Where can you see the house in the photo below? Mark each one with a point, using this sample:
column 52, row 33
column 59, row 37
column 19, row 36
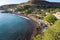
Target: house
column 11, row 10
column 57, row 15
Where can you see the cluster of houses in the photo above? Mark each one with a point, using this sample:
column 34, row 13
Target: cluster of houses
column 41, row 22
column 57, row 14
column 14, row 11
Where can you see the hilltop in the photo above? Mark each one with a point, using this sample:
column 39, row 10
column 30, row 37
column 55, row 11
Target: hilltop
column 45, row 3
column 41, row 3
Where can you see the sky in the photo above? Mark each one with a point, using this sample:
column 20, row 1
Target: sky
column 4, row 2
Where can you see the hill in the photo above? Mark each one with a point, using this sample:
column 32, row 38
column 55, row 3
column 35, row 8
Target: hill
column 46, row 3
column 41, row 3
column 8, row 6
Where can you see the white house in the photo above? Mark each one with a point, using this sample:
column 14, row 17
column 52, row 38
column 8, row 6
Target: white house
column 57, row 15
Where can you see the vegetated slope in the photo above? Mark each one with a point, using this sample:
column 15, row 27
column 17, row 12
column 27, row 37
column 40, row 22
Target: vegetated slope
column 41, row 3
column 8, row 6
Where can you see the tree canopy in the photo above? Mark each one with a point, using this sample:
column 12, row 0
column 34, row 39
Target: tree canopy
column 50, row 18
column 37, row 37
column 27, row 11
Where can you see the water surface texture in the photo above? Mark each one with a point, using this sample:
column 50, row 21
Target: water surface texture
column 14, row 27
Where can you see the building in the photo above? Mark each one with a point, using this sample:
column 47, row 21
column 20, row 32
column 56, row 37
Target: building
column 11, row 10
column 57, row 15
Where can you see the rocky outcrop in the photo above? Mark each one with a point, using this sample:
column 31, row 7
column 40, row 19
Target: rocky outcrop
column 43, row 2
column 35, row 1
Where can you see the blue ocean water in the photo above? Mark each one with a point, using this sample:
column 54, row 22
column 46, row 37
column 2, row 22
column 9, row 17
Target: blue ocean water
column 13, row 26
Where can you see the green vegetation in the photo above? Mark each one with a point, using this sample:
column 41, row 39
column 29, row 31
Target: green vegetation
column 22, row 8
column 19, row 8
column 26, row 7
column 38, row 37
column 50, row 18
column 53, row 33
column 27, row 11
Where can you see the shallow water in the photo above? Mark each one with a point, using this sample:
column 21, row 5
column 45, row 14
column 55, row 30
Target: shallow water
column 2, row 11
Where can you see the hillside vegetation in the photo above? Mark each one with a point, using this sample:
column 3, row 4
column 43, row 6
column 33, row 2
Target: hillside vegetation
column 45, row 11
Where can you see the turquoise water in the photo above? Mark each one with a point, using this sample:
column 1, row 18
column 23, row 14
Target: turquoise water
column 13, row 27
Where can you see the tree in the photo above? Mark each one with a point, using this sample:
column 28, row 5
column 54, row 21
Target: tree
column 27, row 11
column 27, row 7
column 19, row 8
column 37, row 37
column 50, row 18
column 53, row 33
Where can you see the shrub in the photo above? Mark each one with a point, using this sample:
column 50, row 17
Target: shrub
column 27, row 11
column 53, row 33
column 50, row 18
column 38, row 37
